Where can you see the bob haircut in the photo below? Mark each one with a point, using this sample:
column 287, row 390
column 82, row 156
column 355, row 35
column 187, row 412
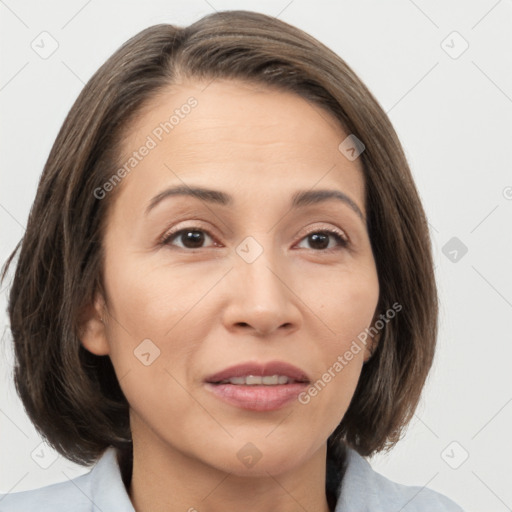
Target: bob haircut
column 71, row 395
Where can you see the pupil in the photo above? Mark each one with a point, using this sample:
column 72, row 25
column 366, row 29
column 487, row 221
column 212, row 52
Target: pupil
column 319, row 240
column 193, row 239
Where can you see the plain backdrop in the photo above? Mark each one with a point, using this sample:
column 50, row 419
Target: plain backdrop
column 442, row 71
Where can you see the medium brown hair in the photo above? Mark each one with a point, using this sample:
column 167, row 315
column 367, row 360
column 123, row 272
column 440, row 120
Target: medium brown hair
column 71, row 395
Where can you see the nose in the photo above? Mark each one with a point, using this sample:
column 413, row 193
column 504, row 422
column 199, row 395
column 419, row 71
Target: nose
column 261, row 299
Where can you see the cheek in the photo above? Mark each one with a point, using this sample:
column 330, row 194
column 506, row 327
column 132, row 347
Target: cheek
column 146, row 336
column 346, row 304
column 157, row 325
column 151, row 300
column 346, row 307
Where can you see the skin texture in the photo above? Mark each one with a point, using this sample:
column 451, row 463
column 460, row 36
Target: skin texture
column 207, row 308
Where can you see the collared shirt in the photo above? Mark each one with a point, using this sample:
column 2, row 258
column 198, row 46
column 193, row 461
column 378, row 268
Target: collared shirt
column 102, row 490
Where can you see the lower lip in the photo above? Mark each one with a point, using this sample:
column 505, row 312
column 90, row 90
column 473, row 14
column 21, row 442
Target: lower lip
column 257, row 398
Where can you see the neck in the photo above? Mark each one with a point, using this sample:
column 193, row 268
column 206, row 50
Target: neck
column 164, row 479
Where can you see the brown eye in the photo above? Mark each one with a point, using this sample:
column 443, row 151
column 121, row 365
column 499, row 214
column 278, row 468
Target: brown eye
column 188, row 238
column 321, row 240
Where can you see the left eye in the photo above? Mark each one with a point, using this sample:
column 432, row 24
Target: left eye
column 320, row 240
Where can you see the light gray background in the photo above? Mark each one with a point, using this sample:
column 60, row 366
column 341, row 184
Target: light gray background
column 454, row 118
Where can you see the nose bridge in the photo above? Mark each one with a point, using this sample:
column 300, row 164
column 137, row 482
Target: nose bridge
column 260, row 298
column 261, row 278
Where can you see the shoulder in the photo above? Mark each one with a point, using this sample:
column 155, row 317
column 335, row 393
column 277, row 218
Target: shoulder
column 55, row 497
column 363, row 489
column 97, row 490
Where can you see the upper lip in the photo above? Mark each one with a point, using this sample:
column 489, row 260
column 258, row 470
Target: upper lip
column 260, row 369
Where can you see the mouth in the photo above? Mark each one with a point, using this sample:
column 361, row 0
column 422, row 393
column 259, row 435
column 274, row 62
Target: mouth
column 258, row 387
column 257, row 380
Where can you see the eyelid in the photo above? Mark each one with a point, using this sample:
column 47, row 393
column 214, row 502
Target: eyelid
column 326, row 228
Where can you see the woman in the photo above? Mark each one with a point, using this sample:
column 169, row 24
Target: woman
column 225, row 292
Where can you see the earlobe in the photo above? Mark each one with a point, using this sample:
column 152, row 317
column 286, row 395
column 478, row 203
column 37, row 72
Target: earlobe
column 371, row 347
column 92, row 330
column 373, row 343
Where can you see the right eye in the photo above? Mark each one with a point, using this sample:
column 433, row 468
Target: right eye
column 190, row 238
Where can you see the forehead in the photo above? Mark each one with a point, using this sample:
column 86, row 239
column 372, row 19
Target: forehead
column 237, row 135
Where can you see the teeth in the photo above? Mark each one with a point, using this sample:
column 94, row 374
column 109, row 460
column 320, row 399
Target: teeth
column 237, row 380
column 256, row 380
column 253, row 380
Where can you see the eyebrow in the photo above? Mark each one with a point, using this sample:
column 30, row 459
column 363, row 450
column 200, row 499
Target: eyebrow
column 299, row 199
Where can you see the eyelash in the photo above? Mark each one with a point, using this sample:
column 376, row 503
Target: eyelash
column 167, row 238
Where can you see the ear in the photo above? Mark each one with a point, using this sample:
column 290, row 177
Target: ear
column 92, row 329
column 374, row 339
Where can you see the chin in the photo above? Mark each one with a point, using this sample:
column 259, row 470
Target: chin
column 261, row 458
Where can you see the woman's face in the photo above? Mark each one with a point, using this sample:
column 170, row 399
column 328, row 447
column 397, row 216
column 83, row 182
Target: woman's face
column 260, row 276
